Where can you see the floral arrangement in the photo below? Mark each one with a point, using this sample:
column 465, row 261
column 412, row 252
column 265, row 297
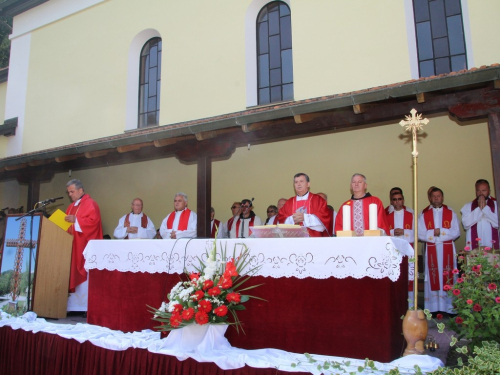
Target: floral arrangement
column 476, row 295
column 211, row 295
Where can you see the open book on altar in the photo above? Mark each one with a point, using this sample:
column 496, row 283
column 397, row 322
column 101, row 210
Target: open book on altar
column 279, row 231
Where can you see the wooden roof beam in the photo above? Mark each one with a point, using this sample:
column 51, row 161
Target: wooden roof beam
column 96, row 154
column 358, row 108
column 496, row 84
column 247, row 128
column 15, row 167
column 201, row 136
column 62, row 159
column 170, row 141
column 128, row 148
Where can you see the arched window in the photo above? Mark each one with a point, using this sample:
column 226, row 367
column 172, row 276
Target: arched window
column 440, row 36
column 274, row 53
column 149, row 83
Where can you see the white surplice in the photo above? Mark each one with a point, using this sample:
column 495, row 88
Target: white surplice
column 135, row 221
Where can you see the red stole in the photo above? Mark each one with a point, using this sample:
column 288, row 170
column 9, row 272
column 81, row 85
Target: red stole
column 432, row 261
column 238, row 226
column 183, row 220
column 407, row 224
column 144, row 222
column 230, row 224
column 215, row 227
column 473, row 229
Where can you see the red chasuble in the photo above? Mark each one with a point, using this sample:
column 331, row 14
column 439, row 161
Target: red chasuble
column 215, row 227
column 144, row 222
column 448, row 257
column 367, row 200
column 315, row 205
column 183, row 220
column 89, row 218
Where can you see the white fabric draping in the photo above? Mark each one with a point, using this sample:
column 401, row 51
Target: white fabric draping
column 226, row 358
column 319, row 258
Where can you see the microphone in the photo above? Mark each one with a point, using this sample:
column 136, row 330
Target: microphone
column 50, row 200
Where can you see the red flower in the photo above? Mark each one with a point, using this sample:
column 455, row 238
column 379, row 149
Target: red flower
column 178, row 308
column 470, row 302
column 214, row 291
column 233, row 297
column 455, row 271
column 487, row 248
column 477, row 307
column 194, row 276
column 207, row 284
column 221, row 310
column 492, row 286
column 459, row 320
column 497, row 300
column 198, row 295
column 188, row 314
column 439, row 316
column 230, row 269
column 446, row 287
column 456, row 292
column 461, row 257
column 460, row 280
column 496, row 266
column 476, row 268
column 445, row 273
column 467, row 248
column 175, row 320
column 204, row 305
column 225, row 282
column 201, row 317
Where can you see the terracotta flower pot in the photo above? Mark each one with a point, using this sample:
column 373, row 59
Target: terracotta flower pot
column 415, row 332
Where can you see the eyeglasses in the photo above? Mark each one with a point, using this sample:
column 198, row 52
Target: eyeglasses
column 245, row 205
column 397, row 199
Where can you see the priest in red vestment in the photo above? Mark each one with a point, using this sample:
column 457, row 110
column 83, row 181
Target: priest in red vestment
column 306, row 209
column 182, row 222
column 360, row 203
column 85, row 216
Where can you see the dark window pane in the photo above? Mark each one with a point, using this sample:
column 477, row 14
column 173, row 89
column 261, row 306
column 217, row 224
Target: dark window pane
column 158, row 85
column 456, row 35
column 263, row 71
column 276, row 94
column 262, row 15
column 264, row 96
column 286, row 33
column 152, row 102
column 427, row 68
column 458, row 63
column 424, row 41
column 287, row 66
column 152, row 80
column 142, row 120
column 421, row 9
column 438, row 19
column 288, row 92
column 443, row 65
column 142, row 74
column 141, row 102
column 145, row 98
column 284, row 10
column 262, row 39
column 274, row 23
column 274, row 52
column 145, row 50
column 275, row 77
column 153, row 53
column 152, row 118
column 441, row 47
column 452, row 7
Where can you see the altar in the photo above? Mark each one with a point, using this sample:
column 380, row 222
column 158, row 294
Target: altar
column 332, row 296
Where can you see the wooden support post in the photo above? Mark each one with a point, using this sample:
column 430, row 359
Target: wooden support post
column 494, row 130
column 33, row 193
column 204, row 195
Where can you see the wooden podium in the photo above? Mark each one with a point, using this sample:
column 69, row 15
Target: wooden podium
column 50, row 297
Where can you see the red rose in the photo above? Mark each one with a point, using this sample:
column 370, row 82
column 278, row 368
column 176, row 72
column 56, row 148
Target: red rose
column 207, row 284
column 204, row 305
column 456, row 292
column 233, row 297
column 175, row 320
column 178, row 308
column 201, row 317
column 188, row 314
column 477, row 307
column 214, row 291
column 459, row 320
column 492, row 286
column 198, row 295
column 194, row 276
column 221, row 310
column 230, row 269
column 439, row 316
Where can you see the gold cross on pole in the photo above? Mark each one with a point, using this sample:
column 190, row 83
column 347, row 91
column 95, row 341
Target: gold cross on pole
column 414, row 123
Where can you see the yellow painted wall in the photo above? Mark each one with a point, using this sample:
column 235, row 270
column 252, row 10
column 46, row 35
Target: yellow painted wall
column 484, row 26
column 3, row 140
column 452, row 157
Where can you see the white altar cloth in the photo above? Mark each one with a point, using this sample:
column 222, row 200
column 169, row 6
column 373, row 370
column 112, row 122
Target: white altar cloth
column 319, row 258
column 227, row 358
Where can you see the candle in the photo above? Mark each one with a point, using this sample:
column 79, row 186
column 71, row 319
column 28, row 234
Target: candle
column 373, row 216
column 346, row 217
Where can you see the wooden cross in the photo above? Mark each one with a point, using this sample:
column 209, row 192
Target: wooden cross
column 414, row 123
column 20, row 244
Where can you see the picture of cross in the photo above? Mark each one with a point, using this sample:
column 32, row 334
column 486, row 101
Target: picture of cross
column 20, row 244
column 414, row 123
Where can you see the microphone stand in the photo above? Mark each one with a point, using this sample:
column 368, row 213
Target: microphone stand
column 31, row 214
